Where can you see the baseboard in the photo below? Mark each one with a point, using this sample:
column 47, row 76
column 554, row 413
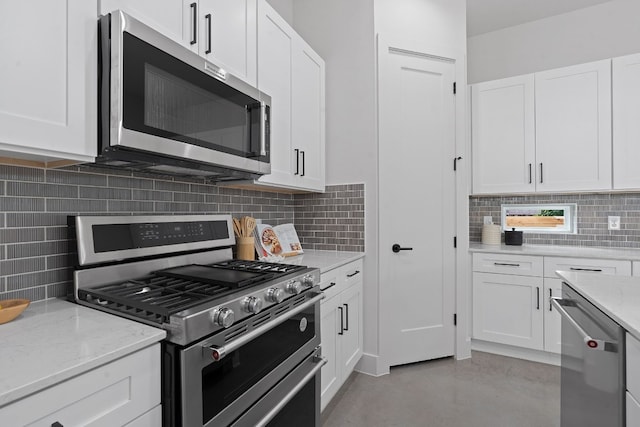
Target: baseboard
column 517, row 352
column 369, row 364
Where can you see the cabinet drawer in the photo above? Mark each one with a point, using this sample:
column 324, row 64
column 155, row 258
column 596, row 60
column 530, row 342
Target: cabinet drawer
column 521, row 265
column 111, row 395
column 633, row 366
column 329, row 284
column 604, row 266
column 352, row 273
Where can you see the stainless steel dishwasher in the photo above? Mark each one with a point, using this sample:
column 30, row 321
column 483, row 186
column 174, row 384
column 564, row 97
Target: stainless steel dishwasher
column 593, row 366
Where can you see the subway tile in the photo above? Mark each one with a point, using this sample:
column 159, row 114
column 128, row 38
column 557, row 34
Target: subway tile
column 32, row 294
column 57, row 233
column 66, row 177
column 20, row 235
column 204, row 189
column 20, row 204
column 171, row 207
column 30, row 189
column 158, row 196
column 59, row 290
column 188, row 197
column 36, row 219
column 31, row 280
column 18, row 266
column 171, row 186
column 36, row 249
column 18, row 173
column 126, row 182
column 76, row 205
column 105, row 193
column 129, row 206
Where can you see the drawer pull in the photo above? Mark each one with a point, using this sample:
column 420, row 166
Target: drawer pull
column 506, row 264
column 595, row 270
column 354, row 273
column 331, row 285
column 537, row 297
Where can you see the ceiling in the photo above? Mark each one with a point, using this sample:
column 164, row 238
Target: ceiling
column 484, row 16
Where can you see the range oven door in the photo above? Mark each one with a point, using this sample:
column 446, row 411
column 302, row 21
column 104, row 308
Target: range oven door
column 272, row 351
column 159, row 97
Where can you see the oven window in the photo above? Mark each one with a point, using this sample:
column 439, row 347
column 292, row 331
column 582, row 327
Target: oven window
column 301, row 410
column 224, row 381
column 166, row 97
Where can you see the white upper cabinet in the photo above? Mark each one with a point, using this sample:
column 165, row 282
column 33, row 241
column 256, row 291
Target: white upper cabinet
column 308, row 117
column 293, row 75
column 48, row 80
column 503, row 132
column 222, row 31
column 626, row 122
column 573, row 127
column 549, row 131
column 227, row 36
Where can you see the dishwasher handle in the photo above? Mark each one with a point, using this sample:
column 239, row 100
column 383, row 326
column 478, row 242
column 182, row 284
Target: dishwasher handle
column 591, row 343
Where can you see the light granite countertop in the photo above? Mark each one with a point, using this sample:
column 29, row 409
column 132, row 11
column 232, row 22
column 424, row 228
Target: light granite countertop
column 324, row 260
column 54, row 340
column 617, row 296
column 564, row 251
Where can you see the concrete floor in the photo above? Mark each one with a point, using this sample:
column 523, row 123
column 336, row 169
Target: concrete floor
column 485, row 391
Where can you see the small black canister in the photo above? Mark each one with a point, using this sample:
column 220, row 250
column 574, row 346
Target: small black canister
column 513, row 237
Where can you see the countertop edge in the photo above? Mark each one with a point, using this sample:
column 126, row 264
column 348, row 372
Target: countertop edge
column 622, row 254
column 325, row 260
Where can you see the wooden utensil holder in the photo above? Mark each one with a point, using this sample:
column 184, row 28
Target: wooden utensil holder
column 245, row 248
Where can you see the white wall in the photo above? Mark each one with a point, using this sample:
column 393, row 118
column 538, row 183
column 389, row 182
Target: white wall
column 284, row 9
column 598, row 32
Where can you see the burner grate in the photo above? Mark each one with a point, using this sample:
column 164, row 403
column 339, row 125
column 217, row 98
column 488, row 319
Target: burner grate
column 154, row 298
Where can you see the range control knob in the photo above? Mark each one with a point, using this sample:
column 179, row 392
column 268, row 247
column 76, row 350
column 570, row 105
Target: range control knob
column 275, row 295
column 309, row 280
column 294, row 287
column 223, row 317
column 252, row 304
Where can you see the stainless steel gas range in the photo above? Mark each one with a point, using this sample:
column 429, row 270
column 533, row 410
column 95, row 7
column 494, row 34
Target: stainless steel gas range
column 243, row 337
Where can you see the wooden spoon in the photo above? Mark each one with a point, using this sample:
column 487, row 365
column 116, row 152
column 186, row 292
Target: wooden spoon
column 237, row 227
column 250, row 224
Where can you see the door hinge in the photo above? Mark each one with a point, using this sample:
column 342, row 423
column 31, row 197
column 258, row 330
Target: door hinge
column 455, row 319
column 455, row 241
column 454, row 88
column 455, row 163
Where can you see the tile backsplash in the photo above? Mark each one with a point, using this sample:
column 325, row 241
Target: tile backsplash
column 35, row 253
column 593, row 210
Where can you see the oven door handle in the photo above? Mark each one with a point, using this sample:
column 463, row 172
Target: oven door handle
column 591, row 343
column 219, row 352
column 320, row 362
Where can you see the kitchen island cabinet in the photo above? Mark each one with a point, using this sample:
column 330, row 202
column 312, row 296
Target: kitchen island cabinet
column 62, row 362
column 48, row 107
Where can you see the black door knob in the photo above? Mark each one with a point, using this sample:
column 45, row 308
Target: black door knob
column 397, row 248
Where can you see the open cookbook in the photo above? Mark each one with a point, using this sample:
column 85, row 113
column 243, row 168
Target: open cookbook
column 279, row 240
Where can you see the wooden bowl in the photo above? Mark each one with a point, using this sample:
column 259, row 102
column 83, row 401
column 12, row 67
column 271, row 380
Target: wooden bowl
column 11, row 308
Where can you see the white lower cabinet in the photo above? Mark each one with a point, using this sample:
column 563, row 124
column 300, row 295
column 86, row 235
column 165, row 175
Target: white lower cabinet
column 511, row 296
column 341, row 327
column 507, row 309
column 123, row 392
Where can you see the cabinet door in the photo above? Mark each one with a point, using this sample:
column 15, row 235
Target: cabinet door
column 552, row 320
column 169, row 17
column 275, row 44
column 626, row 126
column 329, row 329
column 508, row 309
column 227, row 36
column 351, row 346
column 573, row 128
column 503, row 135
column 308, row 114
column 48, row 84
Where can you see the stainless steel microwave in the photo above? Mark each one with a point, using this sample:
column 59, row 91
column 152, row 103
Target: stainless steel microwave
column 164, row 108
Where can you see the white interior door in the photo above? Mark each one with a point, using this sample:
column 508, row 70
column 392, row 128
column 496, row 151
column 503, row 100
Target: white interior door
column 417, row 204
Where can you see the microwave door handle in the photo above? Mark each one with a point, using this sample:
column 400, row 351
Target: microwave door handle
column 264, row 117
column 590, row 343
